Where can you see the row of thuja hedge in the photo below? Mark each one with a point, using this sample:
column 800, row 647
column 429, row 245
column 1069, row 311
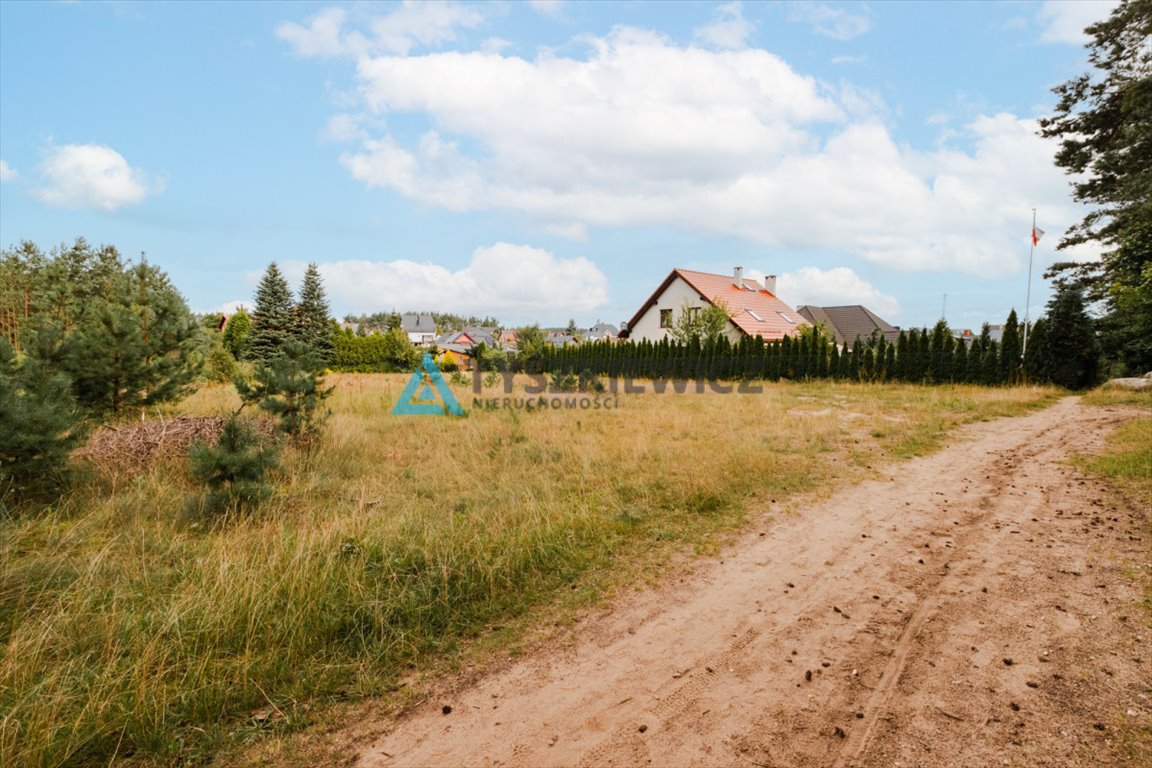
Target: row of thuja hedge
column 927, row 356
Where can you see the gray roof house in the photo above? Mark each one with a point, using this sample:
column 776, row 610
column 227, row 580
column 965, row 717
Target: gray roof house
column 602, row 331
column 421, row 329
column 848, row 322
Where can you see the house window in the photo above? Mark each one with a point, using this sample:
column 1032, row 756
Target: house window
column 694, row 313
column 786, row 317
column 665, row 318
column 755, row 316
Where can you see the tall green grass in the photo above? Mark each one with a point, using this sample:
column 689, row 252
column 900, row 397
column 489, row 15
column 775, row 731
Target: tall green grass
column 130, row 630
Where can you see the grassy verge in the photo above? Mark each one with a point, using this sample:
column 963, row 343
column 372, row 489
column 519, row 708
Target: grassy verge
column 1127, row 464
column 133, row 633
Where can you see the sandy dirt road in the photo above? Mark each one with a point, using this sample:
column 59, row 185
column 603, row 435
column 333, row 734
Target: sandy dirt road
column 975, row 609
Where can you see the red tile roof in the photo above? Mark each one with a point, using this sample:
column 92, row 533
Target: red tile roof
column 753, row 310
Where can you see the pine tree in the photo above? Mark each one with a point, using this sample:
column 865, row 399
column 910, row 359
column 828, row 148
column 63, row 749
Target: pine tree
column 235, row 336
column 272, row 319
column 313, row 325
column 291, row 387
column 132, row 347
column 235, row 469
column 40, row 424
column 1104, row 121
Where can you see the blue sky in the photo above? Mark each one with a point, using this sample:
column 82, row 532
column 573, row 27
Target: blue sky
column 540, row 161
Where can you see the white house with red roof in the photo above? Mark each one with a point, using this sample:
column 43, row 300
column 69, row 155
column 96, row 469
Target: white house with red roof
column 753, row 309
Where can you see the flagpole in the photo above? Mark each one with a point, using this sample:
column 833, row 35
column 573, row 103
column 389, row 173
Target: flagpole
column 1028, row 299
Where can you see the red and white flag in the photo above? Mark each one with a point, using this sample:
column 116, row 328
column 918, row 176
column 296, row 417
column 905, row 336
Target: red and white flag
column 1037, row 233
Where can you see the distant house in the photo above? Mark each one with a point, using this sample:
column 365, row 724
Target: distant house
column 602, row 332
column 507, row 341
column 421, row 329
column 559, row 339
column 469, row 337
column 460, row 354
column 849, row 322
column 968, row 336
column 753, row 309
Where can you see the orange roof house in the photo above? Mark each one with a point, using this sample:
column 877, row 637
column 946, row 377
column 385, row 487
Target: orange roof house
column 753, row 309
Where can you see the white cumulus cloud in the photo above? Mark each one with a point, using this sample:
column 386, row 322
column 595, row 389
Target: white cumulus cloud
column 728, row 28
column 92, row 176
column 410, row 25
column 7, row 172
column 1063, row 21
column 517, row 283
column 635, row 130
column 835, row 287
column 836, row 23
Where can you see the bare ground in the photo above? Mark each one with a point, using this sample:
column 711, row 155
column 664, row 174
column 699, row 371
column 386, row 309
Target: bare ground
column 980, row 607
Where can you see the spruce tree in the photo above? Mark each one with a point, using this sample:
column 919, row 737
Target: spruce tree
column 235, row 469
column 1071, row 354
column 291, row 387
column 272, row 318
column 313, row 324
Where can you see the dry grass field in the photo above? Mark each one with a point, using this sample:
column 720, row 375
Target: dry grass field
column 134, row 631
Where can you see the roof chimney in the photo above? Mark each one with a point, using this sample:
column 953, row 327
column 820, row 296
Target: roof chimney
column 738, row 277
column 770, row 284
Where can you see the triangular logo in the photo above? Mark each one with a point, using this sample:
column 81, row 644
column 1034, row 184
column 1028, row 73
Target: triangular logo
column 427, row 393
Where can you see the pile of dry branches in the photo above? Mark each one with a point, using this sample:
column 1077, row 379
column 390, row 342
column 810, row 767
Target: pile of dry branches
column 133, row 448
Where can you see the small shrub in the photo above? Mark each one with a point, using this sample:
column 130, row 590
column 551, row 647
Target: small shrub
column 590, row 382
column 565, row 382
column 235, row 469
column 220, row 366
column 290, row 387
